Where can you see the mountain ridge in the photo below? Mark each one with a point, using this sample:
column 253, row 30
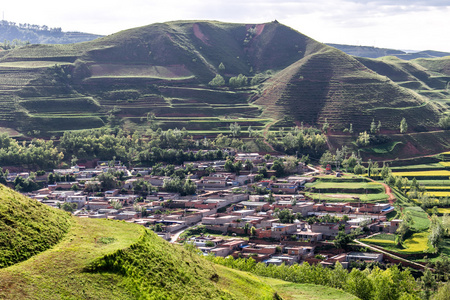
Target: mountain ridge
column 136, row 72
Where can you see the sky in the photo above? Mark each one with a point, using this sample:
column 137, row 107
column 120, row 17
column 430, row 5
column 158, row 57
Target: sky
column 397, row 24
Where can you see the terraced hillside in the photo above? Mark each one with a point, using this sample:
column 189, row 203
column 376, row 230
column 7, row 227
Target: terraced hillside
column 328, row 85
column 164, row 69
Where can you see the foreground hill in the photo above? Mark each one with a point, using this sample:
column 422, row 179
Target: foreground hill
column 105, row 259
column 27, row 227
column 165, row 69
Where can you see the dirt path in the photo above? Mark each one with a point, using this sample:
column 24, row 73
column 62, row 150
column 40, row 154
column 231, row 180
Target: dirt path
column 387, row 189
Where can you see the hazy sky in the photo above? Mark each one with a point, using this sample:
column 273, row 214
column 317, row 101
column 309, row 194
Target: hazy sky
column 398, row 24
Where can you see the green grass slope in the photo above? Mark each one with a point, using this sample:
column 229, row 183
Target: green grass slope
column 438, row 65
column 27, row 227
column 104, row 259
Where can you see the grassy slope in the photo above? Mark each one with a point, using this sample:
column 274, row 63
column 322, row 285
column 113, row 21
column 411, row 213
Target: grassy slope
column 295, row 291
column 27, row 227
column 103, row 259
column 439, row 65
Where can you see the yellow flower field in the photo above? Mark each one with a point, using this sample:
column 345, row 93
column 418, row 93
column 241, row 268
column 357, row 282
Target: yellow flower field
column 445, row 163
column 417, row 243
column 434, row 173
column 439, row 194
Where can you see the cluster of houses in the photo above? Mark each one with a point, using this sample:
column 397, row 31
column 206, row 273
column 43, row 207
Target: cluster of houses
column 224, row 206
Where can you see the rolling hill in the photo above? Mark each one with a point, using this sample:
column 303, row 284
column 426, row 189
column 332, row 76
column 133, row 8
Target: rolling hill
column 165, row 69
column 106, row 259
column 36, row 34
column 375, row 52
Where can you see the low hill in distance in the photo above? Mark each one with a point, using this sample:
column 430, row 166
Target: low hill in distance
column 375, row 52
column 105, row 259
column 36, row 34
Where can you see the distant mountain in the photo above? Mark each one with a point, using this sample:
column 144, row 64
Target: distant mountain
column 36, row 34
column 165, row 69
column 374, row 52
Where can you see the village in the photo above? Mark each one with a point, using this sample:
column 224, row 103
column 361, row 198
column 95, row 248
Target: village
column 277, row 224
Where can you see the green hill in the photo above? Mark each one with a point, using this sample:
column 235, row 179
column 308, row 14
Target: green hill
column 27, row 227
column 12, row 32
column 165, row 69
column 105, row 259
column 375, row 52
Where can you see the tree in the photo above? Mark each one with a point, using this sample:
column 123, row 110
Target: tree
column 359, row 169
column 235, row 129
column 326, row 159
column 209, row 244
column 359, row 285
column 363, row 139
column 402, row 230
column 373, row 127
column 253, row 231
column 116, row 204
column 107, row 181
column 217, row 81
column 278, row 167
column 342, row 239
column 221, row 67
column 246, row 228
column 444, row 122
column 70, row 207
column 403, row 126
column 325, row 126
column 436, row 233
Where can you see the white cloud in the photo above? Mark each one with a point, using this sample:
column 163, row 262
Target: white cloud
column 404, row 24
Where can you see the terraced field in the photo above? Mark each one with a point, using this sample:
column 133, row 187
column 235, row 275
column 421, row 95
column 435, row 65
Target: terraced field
column 348, row 189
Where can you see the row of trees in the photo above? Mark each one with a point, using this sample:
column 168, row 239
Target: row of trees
column 295, row 140
column 388, row 284
column 233, row 82
column 37, row 154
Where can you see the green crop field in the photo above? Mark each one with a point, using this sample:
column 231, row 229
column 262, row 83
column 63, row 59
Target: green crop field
column 347, row 188
column 420, row 218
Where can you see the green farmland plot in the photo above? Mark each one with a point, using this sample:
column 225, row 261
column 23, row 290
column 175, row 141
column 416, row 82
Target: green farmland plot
column 346, row 189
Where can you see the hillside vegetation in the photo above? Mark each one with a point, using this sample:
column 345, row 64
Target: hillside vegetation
column 14, row 33
column 27, row 227
column 167, row 69
column 375, row 52
column 105, row 259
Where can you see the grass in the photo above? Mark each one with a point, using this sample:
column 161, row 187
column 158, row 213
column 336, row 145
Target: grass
column 106, row 259
column 27, row 227
column 344, row 197
column 419, row 217
column 383, row 236
column 296, row 291
column 346, row 188
column 381, row 242
column 382, row 239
